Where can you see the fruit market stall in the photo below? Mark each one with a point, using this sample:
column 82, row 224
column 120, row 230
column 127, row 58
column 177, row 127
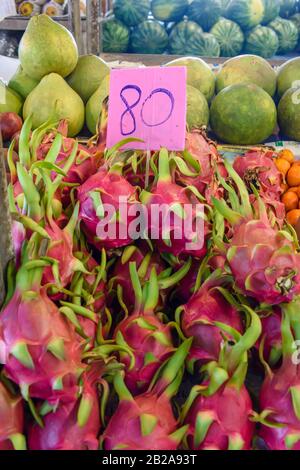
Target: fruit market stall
column 115, row 332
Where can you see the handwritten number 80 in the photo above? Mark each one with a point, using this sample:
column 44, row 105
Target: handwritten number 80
column 130, row 107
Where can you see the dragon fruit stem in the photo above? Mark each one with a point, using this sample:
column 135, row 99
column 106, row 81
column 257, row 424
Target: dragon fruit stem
column 18, row 441
column 136, row 285
column 164, row 167
column 11, row 163
column 152, row 293
column 31, row 193
column 24, row 152
column 120, row 387
column 230, row 215
column 246, row 208
column 170, row 281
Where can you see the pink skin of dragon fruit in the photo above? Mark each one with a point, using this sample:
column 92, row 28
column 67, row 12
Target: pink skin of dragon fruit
column 11, row 421
column 226, row 413
column 280, row 392
column 198, row 315
column 18, row 237
column 263, row 261
column 205, row 153
column 38, row 346
column 148, row 338
column 106, row 187
column 147, row 422
column 271, row 336
column 76, row 424
column 169, row 195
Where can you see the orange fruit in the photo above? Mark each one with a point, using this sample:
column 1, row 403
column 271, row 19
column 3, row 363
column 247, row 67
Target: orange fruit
column 287, row 155
column 293, row 175
column 293, row 216
column 290, row 200
column 283, row 166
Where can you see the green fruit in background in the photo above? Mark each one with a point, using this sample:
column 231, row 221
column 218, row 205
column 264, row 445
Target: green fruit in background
column 115, row 36
column 169, row 10
column 182, row 35
column 229, row 36
column 288, row 74
column 205, row 13
column 205, row 45
column 54, row 99
column 289, row 115
column 262, row 41
column 287, row 8
column 287, row 34
column 199, row 75
column 87, row 75
column 197, row 114
column 243, row 115
column 271, row 10
column 296, row 20
column 247, row 69
column 47, row 47
column 131, row 12
column 149, row 37
column 247, row 13
column 94, row 105
column 21, row 83
column 10, row 101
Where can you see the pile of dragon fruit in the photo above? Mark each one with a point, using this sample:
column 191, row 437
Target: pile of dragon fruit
column 117, row 343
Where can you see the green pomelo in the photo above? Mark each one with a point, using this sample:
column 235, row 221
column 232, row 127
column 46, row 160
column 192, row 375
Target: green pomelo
column 94, row 105
column 243, row 115
column 10, row 101
column 54, row 99
column 197, row 114
column 21, row 83
column 247, row 69
column 47, row 47
column 199, row 74
column 88, row 75
column 288, row 75
column 289, row 115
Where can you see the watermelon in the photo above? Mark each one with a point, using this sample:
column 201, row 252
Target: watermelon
column 247, row 69
column 288, row 75
column 131, row 12
column 287, row 8
column 229, row 36
column 296, row 20
column 205, row 45
column 205, row 13
column 288, row 114
column 181, row 36
column 169, row 10
column 262, row 41
column 150, row 37
column 224, row 5
column 271, row 10
column 287, row 34
column 243, row 114
column 247, row 13
column 115, row 36
column 197, row 114
column 199, row 75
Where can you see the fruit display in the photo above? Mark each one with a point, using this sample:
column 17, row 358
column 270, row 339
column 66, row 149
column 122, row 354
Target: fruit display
column 34, row 7
column 263, row 27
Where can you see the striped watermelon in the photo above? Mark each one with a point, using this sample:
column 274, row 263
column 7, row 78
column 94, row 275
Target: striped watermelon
column 229, row 36
column 115, row 36
column 247, row 13
column 131, row 12
column 205, row 13
column 262, row 41
column 181, row 37
column 287, row 34
column 271, row 12
column 169, row 10
column 205, row 45
column 150, row 37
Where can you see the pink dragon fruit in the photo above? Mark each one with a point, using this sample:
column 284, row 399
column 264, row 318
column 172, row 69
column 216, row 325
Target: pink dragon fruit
column 270, row 338
column 147, row 422
column 201, row 155
column 148, row 338
column 11, row 421
column 279, row 396
column 109, row 188
column 38, row 346
column 218, row 412
column 174, row 230
column 76, row 424
column 199, row 316
column 263, row 261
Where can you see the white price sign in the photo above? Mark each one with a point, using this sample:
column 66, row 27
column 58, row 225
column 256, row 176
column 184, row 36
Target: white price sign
column 7, row 8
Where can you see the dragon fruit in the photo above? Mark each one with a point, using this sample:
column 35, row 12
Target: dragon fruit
column 218, row 412
column 147, row 422
column 148, row 338
column 279, row 396
column 74, row 425
column 270, row 339
column 198, row 318
column 263, row 260
column 202, row 158
column 169, row 224
column 38, row 346
column 110, row 188
column 11, row 421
